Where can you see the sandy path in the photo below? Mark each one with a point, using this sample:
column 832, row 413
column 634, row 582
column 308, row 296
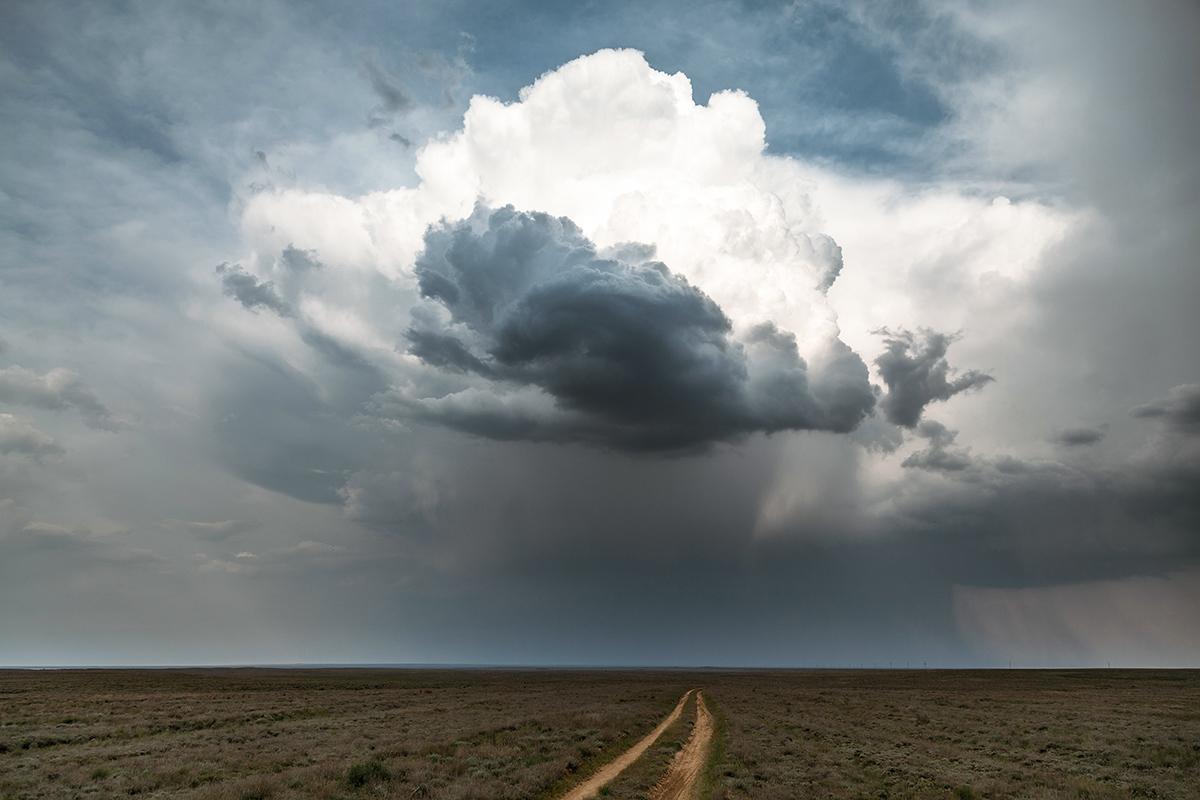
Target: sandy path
column 612, row 769
column 681, row 775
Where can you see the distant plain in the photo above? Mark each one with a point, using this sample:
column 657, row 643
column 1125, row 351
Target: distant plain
column 253, row 734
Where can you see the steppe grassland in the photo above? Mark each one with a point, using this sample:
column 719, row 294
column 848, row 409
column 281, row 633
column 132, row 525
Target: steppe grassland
column 258, row 734
column 959, row 734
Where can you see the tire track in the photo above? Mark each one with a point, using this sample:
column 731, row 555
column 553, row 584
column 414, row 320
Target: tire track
column 680, row 778
column 591, row 787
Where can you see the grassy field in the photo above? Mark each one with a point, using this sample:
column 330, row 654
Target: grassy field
column 959, row 734
column 259, row 734
column 253, row 734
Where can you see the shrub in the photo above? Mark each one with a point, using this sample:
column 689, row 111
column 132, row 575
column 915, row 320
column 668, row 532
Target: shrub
column 372, row 771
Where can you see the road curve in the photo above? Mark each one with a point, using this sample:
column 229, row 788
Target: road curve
column 591, row 787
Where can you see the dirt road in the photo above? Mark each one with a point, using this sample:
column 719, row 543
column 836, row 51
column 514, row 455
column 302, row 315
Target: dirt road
column 591, row 787
column 681, row 775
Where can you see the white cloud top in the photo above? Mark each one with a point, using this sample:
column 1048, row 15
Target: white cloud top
column 627, row 154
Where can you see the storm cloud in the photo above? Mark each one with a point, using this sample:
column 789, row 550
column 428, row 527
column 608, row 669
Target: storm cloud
column 1180, row 409
column 632, row 355
column 1076, row 437
column 938, row 456
column 916, row 372
column 391, row 431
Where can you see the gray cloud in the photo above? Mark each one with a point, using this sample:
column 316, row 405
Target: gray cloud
column 1075, row 437
column 300, row 260
column 444, row 351
column 1180, row 409
column 57, row 390
column 17, row 435
column 392, row 501
column 271, row 428
column 938, row 456
column 916, row 373
column 1164, row 480
column 247, row 290
column 878, row 435
column 1065, row 521
column 632, row 355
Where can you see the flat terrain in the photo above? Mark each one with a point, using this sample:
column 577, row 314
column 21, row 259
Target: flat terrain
column 959, row 734
column 259, row 733
column 254, row 734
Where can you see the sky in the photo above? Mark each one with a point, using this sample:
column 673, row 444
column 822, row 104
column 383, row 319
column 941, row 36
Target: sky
column 604, row 333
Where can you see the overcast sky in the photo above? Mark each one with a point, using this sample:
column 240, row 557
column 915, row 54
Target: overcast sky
column 654, row 333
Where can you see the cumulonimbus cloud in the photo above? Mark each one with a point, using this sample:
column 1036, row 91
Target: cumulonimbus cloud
column 715, row 326
column 631, row 353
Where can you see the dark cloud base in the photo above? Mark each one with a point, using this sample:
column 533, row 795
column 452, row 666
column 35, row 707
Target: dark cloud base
column 633, row 356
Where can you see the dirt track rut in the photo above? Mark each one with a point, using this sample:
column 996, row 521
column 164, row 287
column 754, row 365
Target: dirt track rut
column 591, row 787
column 680, row 777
